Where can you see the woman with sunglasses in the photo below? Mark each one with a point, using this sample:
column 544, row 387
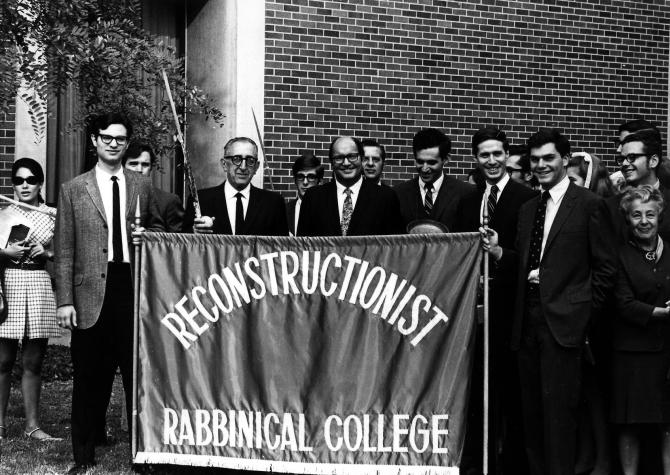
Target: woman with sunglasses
column 31, row 316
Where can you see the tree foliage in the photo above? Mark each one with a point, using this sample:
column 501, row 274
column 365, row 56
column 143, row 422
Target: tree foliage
column 99, row 47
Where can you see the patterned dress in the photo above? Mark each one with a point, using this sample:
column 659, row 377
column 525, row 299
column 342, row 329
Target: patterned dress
column 30, row 299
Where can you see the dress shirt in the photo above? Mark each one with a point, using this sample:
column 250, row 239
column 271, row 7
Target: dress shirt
column 501, row 186
column 298, row 202
column 104, row 180
column 355, row 191
column 556, row 195
column 231, row 202
column 436, row 189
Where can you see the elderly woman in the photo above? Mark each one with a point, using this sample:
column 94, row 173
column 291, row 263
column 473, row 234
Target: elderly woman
column 641, row 331
column 31, row 315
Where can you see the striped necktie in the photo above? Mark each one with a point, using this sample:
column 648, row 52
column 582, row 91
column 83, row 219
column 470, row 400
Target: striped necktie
column 428, row 202
column 492, row 201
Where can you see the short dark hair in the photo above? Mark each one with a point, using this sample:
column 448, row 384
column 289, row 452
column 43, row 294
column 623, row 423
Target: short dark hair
column 374, row 143
column 34, row 167
column 429, row 138
column 234, row 140
column 489, row 133
column 651, row 140
column 102, row 121
column 636, row 125
column 522, row 152
column 135, row 149
column 307, row 160
column 545, row 136
column 359, row 146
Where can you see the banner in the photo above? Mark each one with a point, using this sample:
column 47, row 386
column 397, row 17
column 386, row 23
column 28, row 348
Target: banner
column 306, row 355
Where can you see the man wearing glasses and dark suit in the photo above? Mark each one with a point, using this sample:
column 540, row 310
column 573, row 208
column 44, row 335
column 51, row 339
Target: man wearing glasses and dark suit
column 349, row 205
column 307, row 172
column 235, row 206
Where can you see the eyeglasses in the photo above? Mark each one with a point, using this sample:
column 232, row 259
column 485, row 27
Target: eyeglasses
column 107, row 139
column 237, row 160
column 31, row 180
column 351, row 158
column 630, row 158
column 310, row 177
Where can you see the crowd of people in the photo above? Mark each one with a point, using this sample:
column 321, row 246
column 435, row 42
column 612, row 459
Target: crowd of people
column 580, row 303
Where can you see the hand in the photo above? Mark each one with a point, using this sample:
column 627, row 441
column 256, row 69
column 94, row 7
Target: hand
column 16, row 251
column 37, row 250
column 66, row 316
column 203, row 225
column 490, row 242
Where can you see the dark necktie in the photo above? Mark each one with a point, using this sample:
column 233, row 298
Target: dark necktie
column 493, row 199
column 428, row 202
column 347, row 211
column 117, row 240
column 537, row 233
column 239, row 214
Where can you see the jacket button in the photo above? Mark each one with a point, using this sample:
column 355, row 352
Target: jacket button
column 104, row 250
column 104, row 226
column 102, row 275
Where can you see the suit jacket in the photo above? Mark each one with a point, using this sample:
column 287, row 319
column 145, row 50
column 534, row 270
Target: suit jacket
column 376, row 212
column 641, row 287
column 445, row 206
column 290, row 215
column 577, row 268
column 81, row 240
column 170, row 210
column 618, row 221
column 266, row 212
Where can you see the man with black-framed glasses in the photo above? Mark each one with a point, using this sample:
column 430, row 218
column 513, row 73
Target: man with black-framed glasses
column 307, row 172
column 640, row 159
column 236, row 206
column 349, row 205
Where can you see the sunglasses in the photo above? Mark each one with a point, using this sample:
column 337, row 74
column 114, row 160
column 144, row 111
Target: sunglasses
column 31, row 180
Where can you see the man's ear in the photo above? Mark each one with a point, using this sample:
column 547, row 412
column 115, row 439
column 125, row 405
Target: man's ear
column 93, row 140
column 654, row 162
column 224, row 165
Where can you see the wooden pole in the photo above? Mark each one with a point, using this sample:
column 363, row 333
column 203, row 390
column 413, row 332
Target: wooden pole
column 49, row 213
column 485, row 454
column 266, row 164
column 137, row 243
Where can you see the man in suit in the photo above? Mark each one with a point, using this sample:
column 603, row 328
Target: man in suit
column 94, row 287
column 307, row 172
column 432, row 195
column 236, row 206
column 640, row 159
column 373, row 160
column 518, row 165
column 565, row 271
column 349, row 205
column 140, row 158
column 501, row 197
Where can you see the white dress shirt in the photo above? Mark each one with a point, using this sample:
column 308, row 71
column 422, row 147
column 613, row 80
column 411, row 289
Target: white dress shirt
column 341, row 195
column 298, row 202
column 436, row 188
column 556, row 195
column 104, row 179
column 231, row 202
column 485, row 199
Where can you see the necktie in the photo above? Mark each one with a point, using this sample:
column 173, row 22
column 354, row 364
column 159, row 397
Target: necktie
column 347, row 211
column 239, row 214
column 117, row 243
column 493, row 199
column 428, row 202
column 537, row 233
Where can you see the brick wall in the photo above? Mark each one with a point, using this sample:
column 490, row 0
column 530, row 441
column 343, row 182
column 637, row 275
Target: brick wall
column 384, row 69
column 7, row 142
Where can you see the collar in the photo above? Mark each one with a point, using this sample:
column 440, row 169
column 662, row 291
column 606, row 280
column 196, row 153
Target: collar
column 105, row 175
column 657, row 185
column 501, row 184
column 436, row 184
column 355, row 188
column 230, row 192
column 559, row 189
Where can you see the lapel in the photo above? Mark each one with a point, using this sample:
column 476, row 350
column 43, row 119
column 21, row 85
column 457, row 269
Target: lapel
column 564, row 210
column 218, row 200
column 504, row 204
column 333, row 216
column 94, row 193
column 361, row 203
column 253, row 210
column 131, row 197
column 525, row 231
column 443, row 197
column 415, row 198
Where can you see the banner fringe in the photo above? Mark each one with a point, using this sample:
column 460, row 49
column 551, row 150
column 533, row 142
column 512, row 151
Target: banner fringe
column 289, row 467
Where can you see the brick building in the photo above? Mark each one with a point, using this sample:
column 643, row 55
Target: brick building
column 314, row 69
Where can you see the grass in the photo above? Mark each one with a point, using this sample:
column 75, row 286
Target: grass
column 21, row 455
